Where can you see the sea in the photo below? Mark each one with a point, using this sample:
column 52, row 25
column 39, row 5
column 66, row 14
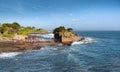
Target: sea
column 99, row 52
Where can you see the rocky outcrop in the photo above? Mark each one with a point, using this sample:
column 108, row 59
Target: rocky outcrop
column 20, row 37
column 69, row 37
column 65, row 35
column 16, row 37
column 22, row 46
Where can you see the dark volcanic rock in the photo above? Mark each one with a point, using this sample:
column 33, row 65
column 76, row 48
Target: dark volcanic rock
column 21, row 46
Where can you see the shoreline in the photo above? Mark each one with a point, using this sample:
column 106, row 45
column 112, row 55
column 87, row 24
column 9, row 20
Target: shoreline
column 21, row 46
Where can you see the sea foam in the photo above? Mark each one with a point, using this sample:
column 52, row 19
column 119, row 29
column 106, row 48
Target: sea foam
column 9, row 54
column 85, row 41
column 47, row 35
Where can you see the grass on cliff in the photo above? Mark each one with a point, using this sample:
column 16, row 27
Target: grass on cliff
column 29, row 31
column 10, row 29
column 24, row 31
column 6, row 34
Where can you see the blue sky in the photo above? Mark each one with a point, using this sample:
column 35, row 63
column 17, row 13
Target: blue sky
column 48, row 14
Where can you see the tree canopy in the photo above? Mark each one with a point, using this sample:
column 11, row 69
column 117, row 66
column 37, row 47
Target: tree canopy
column 15, row 25
column 59, row 29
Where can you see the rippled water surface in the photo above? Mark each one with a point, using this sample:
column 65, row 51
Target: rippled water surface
column 100, row 55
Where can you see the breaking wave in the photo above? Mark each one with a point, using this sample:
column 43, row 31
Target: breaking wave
column 9, row 55
column 47, row 35
column 44, row 37
column 85, row 41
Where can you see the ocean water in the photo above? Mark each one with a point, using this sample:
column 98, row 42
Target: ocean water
column 99, row 53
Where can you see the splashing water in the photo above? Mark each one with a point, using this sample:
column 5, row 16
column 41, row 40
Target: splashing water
column 46, row 35
column 9, row 55
column 85, row 41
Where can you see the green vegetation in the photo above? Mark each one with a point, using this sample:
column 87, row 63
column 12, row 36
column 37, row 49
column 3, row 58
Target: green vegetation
column 59, row 29
column 62, row 31
column 2, row 30
column 29, row 30
column 10, row 29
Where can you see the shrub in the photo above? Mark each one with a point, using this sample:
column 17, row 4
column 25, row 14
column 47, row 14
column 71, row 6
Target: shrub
column 59, row 29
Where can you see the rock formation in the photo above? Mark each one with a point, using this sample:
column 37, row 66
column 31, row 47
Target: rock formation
column 63, row 35
column 20, row 37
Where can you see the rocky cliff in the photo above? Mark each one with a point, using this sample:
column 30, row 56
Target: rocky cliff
column 65, row 35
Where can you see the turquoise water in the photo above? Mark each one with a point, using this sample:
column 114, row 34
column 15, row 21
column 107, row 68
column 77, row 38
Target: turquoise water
column 102, row 54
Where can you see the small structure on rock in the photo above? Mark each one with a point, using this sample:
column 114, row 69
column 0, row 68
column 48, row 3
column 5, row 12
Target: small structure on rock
column 66, row 36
